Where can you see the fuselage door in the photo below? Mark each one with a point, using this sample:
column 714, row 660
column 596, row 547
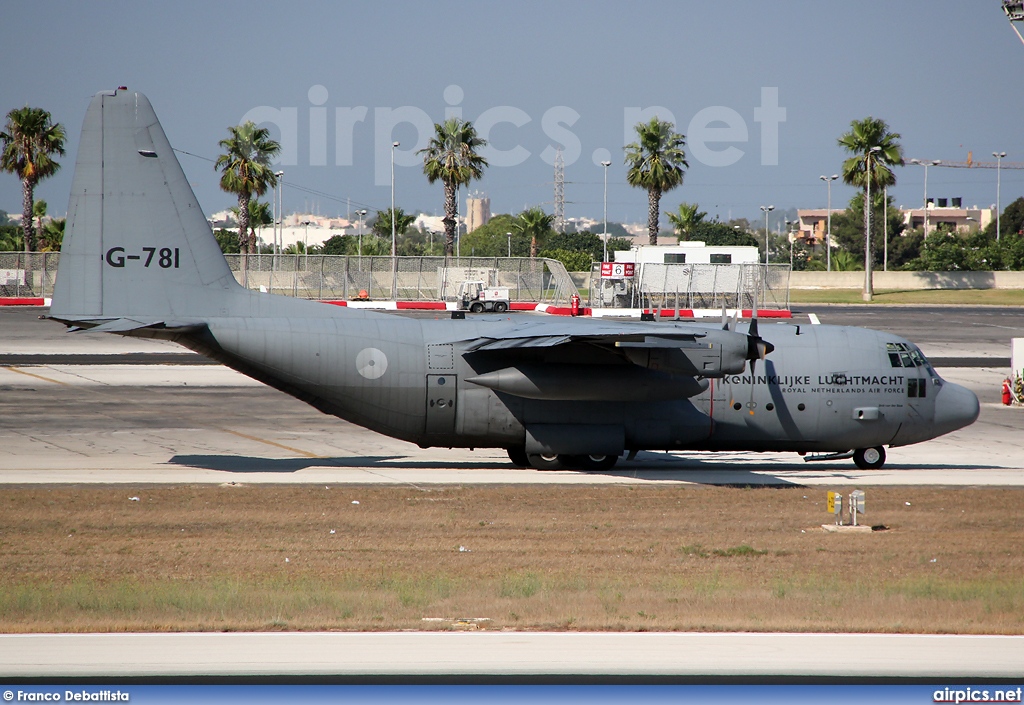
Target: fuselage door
column 442, row 393
column 920, row 394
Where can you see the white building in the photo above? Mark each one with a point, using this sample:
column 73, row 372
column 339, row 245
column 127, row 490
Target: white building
column 689, row 252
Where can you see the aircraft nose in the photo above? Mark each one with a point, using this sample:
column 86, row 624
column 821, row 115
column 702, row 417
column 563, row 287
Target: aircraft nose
column 955, row 407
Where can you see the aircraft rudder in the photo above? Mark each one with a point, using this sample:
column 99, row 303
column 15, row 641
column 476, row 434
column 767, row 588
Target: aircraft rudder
column 137, row 242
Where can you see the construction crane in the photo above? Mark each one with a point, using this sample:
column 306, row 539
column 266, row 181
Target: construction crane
column 971, row 164
column 1014, row 10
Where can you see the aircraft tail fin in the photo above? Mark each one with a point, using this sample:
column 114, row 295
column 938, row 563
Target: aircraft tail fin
column 137, row 244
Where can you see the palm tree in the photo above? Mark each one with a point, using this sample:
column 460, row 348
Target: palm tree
column 38, row 213
column 451, row 157
column 874, row 149
column 685, row 219
column 30, row 141
column 260, row 216
column 52, row 236
column 656, row 162
column 536, row 224
column 382, row 225
column 246, row 171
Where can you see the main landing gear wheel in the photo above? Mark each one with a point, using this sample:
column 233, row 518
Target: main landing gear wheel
column 546, row 462
column 593, row 462
column 869, row 458
column 518, row 457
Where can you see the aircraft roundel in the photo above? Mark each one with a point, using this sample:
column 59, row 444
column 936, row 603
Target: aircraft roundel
column 371, row 363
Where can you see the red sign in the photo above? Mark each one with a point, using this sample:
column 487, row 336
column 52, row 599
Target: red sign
column 617, row 270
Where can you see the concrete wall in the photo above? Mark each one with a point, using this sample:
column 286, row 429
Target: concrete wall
column 908, row 280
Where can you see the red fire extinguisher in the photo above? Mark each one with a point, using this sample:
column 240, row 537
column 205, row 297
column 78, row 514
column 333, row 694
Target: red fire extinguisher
column 1007, row 396
column 574, row 305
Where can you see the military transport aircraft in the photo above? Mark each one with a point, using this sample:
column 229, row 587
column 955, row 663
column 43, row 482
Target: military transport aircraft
column 139, row 259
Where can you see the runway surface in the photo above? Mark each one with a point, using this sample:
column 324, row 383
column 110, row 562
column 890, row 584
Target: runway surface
column 78, row 418
column 512, row 654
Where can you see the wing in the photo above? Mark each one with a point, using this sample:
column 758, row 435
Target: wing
column 604, row 361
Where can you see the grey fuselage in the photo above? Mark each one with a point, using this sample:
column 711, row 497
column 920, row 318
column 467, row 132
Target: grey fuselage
column 823, row 388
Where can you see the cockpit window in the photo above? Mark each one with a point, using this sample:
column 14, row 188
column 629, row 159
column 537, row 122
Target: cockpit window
column 903, row 355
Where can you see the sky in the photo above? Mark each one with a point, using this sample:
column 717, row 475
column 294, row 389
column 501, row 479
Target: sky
column 761, row 90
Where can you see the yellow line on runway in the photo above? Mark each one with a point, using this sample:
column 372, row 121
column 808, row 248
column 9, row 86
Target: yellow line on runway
column 29, row 374
column 303, row 453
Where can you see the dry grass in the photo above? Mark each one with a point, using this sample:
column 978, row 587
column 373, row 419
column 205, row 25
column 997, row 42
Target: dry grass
column 582, row 558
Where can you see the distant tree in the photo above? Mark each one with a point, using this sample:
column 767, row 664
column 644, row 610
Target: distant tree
column 451, row 157
column 843, row 261
column 656, row 162
column 29, row 141
column 227, row 240
column 246, row 171
column 260, row 216
column 614, row 230
column 1011, row 221
column 722, row 235
column 685, row 219
column 491, row 239
column 573, row 260
column 11, row 239
column 875, row 149
column 381, row 226
column 535, row 224
column 38, row 213
column 52, row 236
column 848, row 231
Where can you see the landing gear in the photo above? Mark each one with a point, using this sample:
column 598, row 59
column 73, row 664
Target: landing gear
column 869, row 458
column 546, row 462
column 571, row 462
column 518, row 457
column 591, row 462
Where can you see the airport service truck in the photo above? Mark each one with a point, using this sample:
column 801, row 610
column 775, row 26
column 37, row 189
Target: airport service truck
column 473, row 296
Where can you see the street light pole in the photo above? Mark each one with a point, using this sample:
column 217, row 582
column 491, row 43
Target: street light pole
column 767, row 210
column 828, row 233
column 605, row 164
column 789, row 234
column 926, row 164
column 361, row 214
column 999, row 162
column 394, row 238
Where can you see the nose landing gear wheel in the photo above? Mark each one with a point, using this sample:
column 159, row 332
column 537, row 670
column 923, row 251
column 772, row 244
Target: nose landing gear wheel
column 869, row 458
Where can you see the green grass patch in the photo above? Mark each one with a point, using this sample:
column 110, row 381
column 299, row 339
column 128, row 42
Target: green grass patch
column 742, row 550
column 974, row 297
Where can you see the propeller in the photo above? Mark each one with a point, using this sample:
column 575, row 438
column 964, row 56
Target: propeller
column 757, row 349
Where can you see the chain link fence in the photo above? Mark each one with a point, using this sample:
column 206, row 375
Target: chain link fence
column 28, row 274
column 693, row 286
column 339, row 277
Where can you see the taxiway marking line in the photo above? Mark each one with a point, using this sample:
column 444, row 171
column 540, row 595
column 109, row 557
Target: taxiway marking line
column 303, row 453
column 29, row 374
